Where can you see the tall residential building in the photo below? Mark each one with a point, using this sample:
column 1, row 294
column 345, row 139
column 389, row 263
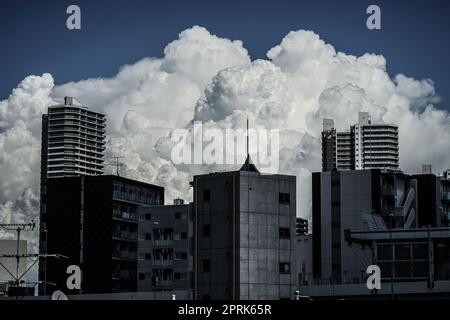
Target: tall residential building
column 73, row 141
column 244, row 235
column 165, row 247
column 72, row 144
column 364, row 146
column 93, row 221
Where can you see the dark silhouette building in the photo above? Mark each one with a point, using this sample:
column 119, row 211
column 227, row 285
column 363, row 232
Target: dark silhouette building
column 93, row 221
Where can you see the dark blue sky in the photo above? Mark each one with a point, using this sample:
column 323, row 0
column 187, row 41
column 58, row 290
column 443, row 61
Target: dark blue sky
column 34, row 39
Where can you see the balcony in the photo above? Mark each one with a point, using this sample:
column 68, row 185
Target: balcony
column 162, row 263
column 165, row 283
column 125, row 235
column 123, row 275
column 124, row 254
column 135, row 198
column 124, row 215
column 163, row 243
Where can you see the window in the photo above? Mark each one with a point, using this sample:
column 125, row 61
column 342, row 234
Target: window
column 141, row 256
column 285, row 268
column 206, row 230
column 284, row 198
column 148, row 236
column 148, row 216
column 180, row 255
column 141, row 276
column 180, row 215
column 148, row 256
column 420, row 251
column 402, row 252
column 285, row 233
column 184, row 235
column 180, row 275
column 206, row 195
column 206, row 266
column 384, row 252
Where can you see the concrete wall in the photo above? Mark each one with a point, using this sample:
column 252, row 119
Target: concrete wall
column 356, row 198
column 163, row 217
column 244, row 248
column 351, row 198
column 261, row 249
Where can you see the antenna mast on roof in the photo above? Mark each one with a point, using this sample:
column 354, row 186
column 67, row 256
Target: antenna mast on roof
column 117, row 164
column 248, row 150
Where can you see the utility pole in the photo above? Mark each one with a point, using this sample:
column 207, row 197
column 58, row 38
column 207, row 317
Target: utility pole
column 17, row 277
column 18, row 227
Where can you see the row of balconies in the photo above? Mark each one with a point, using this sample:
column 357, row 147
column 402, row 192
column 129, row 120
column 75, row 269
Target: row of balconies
column 76, row 133
column 74, row 162
column 52, row 149
column 124, row 254
column 135, row 198
column 72, row 125
column 56, row 172
column 377, row 128
column 71, row 115
column 124, row 215
column 125, row 235
column 123, row 274
column 74, row 122
column 67, row 143
column 73, row 158
column 95, row 169
column 381, row 158
column 162, row 262
column 380, row 140
column 83, row 112
column 380, row 147
column 76, row 138
column 162, row 242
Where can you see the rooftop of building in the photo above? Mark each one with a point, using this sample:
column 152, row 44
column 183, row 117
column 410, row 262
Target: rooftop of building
column 248, row 168
column 70, row 102
column 107, row 177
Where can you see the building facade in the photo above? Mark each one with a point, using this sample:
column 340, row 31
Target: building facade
column 93, row 221
column 244, row 235
column 364, row 146
column 374, row 207
column 165, row 247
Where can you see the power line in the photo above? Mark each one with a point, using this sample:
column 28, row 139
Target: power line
column 17, row 277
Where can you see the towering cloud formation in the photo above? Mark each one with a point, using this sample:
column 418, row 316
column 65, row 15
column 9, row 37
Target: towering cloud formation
column 203, row 77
